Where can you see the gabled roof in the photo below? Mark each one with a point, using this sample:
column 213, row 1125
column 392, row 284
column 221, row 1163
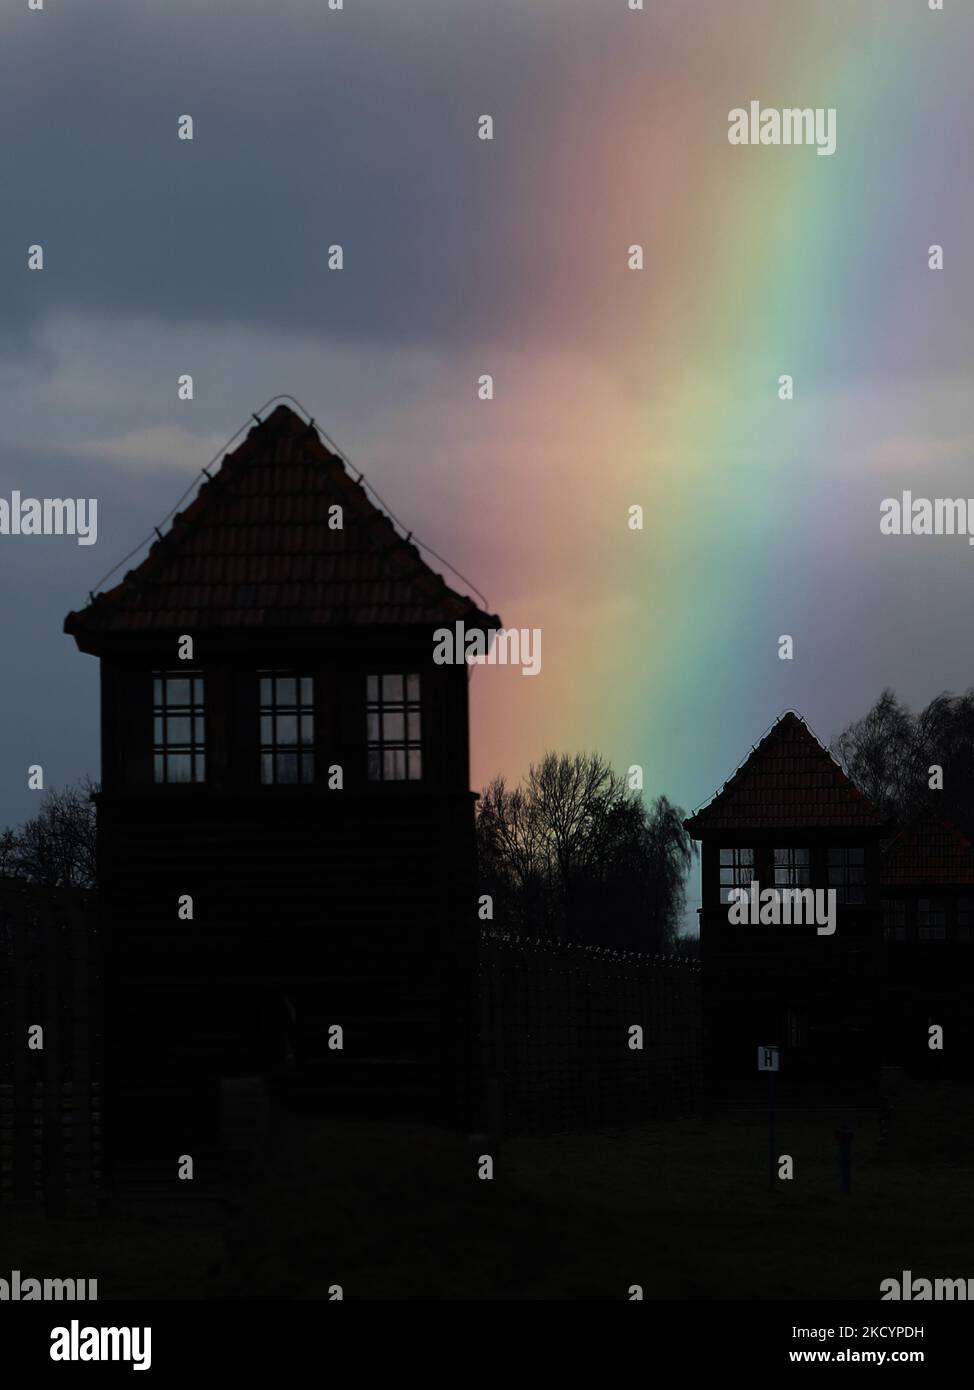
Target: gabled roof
column 255, row 549
column 931, row 851
column 788, row 781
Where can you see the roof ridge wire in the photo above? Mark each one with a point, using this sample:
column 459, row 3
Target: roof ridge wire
column 339, row 453
column 753, row 749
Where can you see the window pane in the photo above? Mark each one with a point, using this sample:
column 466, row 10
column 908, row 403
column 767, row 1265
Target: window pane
column 392, row 727
column 413, row 727
column 857, row 856
column 373, row 723
column 158, row 730
column 375, row 765
column 200, row 767
column 306, row 693
column 287, row 690
column 177, row 729
column 198, row 729
column 265, row 690
column 287, row 767
column 287, row 729
column 412, row 688
column 157, row 691
column 266, row 729
column 394, row 765
column 392, row 687
column 727, row 856
column 177, row 691
column 267, row 767
column 307, row 728
column 308, row 768
column 160, row 766
column 415, row 765
column 372, row 688
column 178, row 767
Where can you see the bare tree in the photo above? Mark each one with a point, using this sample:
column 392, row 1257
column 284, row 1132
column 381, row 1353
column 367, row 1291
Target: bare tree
column 9, row 852
column 574, row 853
column 890, row 752
column 56, row 848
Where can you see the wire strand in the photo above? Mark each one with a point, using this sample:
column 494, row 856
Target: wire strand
column 339, row 453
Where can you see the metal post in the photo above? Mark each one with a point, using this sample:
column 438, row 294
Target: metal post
column 770, row 1131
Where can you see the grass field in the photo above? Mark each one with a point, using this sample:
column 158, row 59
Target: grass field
column 680, row 1207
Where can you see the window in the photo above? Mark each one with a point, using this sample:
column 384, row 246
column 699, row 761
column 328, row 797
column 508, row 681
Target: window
column 392, row 718
column 736, row 871
column 791, row 868
column 847, row 874
column 894, row 919
column 931, row 919
column 793, row 1027
column 965, row 919
column 287, row 728
column 178, row 743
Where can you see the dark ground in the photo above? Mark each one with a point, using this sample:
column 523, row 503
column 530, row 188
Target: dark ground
column 681, row 1207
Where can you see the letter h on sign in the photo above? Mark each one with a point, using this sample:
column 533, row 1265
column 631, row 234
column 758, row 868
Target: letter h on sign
column 767, row 1059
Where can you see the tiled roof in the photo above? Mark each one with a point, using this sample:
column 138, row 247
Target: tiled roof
column 928, row 851
column 255, row 549
column 789, row 780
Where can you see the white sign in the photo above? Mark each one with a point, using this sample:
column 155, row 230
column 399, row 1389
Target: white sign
column 767, row 1059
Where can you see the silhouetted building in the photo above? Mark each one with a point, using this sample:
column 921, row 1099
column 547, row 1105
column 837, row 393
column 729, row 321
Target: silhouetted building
column 927, row 889
column 838, row 999
column 788, row 818
column 285, row 823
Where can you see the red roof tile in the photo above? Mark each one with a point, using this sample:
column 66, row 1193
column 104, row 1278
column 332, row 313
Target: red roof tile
column 255, row 549
column 928, row 851
column 788, row 781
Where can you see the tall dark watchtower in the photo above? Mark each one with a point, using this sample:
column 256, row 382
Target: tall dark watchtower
column 285, row 823
column 790, row 818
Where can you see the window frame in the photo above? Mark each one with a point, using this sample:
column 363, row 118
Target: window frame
column 276, row 708
column 382, row 749
column 839, row 874
column 792, row 867
column 930, row 930
column 193, row 710
column 735, row 866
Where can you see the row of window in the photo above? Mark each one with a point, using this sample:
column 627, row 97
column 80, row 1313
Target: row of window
column 931, row 919
column 846, row 874
column 846, row 869
column 287, row 727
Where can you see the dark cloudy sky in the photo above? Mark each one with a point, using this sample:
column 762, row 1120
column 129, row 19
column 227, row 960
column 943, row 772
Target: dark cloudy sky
column 312, row 127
